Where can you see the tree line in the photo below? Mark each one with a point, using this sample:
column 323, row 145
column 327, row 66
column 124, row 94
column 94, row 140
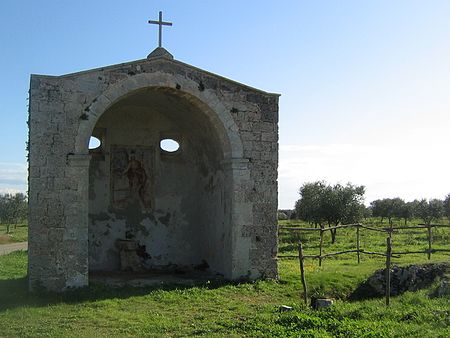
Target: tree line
column 323, row 204
column 13, row 209
column 427, row 210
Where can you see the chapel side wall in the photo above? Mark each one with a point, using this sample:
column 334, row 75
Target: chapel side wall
column 264, row 172
column 59, row 178
column 57, row 215
column 256, row 115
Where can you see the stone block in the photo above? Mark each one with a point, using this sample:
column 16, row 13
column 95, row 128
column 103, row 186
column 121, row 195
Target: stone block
column 444, row 289
column 321, row 303
column 269, row 137
column 243, row 213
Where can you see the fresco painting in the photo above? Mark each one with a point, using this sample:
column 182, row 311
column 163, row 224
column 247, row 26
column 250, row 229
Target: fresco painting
column 131, row 176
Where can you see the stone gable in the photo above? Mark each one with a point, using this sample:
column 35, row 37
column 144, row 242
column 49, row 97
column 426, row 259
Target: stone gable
column 213, row 202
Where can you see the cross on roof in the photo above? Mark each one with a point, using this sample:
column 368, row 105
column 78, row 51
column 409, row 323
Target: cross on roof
column 160, row 23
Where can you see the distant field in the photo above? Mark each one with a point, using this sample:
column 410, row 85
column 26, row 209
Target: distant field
column 402, row 240
column 234, row 310
column 18, row 234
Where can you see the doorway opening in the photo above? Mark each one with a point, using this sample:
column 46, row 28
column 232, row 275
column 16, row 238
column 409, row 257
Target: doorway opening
column 159, row 199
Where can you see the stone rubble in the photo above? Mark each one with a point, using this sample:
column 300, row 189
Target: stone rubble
column 403, row 279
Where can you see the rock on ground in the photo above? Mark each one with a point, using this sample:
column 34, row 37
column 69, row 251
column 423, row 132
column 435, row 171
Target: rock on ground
column 407, row 278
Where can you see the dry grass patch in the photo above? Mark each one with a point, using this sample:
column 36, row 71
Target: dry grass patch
column 5, row 239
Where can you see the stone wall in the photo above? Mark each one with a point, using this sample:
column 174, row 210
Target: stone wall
column 63, row 113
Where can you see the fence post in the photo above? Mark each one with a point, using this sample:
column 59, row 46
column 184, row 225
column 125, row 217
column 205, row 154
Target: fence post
column 357, row 243
column 302, row 272
column 430, row 239
column 388, row 269
column 321, row 245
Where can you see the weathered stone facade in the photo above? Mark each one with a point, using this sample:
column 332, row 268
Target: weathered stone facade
column 226, row 171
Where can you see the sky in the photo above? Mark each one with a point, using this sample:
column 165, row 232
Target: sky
column 365, row 85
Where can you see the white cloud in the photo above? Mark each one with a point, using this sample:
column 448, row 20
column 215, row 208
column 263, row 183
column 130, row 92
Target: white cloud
column 407, row 171
column 13, row 177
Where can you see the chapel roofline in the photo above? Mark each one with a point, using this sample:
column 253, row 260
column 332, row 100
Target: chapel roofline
column 151, row 58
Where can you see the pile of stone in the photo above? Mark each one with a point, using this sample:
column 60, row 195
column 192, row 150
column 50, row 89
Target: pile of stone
column 408, row 278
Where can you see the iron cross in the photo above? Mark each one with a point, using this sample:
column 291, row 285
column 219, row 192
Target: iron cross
column 160, row 23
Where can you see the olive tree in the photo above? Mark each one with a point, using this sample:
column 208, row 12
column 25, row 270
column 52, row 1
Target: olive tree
column 13, row 208
column 431, row 210
column 308, row 207
column 447, row 206
column 342, row 205
column 379, row 208
column 322, row 204
column 389, row 208
column 409, row 211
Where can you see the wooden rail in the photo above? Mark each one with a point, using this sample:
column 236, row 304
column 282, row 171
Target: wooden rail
column 358, row 250
column 389, row 253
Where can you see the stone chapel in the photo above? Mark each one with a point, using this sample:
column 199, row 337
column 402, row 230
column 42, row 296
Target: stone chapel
column 133, row 205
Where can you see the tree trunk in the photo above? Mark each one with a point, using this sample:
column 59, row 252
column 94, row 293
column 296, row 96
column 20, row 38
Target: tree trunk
column 333, row 234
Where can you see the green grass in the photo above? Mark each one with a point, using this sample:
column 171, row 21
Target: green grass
column 232, row 310
column 402, row 240
column 16, row 234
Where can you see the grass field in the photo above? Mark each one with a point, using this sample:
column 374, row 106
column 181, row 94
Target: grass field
column 17, row 234
column 402, row 240
column 234, row 310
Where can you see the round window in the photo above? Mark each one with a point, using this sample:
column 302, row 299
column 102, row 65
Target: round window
column 94, row 143
column 169, row 145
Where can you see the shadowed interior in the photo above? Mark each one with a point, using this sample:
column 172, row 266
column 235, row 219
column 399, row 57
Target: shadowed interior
column 171, row 206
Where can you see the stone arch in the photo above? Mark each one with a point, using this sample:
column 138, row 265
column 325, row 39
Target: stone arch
column 206, row 100
column 235, row 168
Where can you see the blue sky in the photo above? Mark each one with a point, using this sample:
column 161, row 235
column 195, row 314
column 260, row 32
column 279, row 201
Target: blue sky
column 365, row 84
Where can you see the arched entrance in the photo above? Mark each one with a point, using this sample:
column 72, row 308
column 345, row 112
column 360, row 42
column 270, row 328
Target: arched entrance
column 155, row 209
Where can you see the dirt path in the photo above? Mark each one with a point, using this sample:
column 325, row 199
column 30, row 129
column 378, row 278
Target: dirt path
column 7, row 248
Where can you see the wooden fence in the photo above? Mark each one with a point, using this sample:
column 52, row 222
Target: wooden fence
column 388, row 254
